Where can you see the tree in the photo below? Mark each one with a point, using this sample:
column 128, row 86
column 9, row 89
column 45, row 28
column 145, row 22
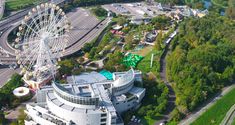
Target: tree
column 99, row 11
column 21, row 117
column 2, row 118
column 161, row 22
column 66, row 66
column 87, row 47
column 202, row 61
column 92, row 53
column 114, row 62
column 158, row 41
column 121, row 20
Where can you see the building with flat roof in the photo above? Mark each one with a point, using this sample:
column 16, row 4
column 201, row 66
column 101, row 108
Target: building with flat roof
column 87, row 99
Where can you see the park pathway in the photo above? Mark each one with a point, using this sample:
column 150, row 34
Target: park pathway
column 171, row 96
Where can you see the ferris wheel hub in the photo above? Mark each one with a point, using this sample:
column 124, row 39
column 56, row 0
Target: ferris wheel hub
column 45, row 36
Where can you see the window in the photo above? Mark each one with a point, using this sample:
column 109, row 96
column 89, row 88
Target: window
column 103, row 115
column 103, row 120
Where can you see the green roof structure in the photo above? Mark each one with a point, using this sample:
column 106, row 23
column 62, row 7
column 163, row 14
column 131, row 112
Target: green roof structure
column 131, row 60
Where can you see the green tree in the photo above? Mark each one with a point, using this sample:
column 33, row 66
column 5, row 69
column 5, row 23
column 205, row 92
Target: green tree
column 202, row 62
column 158, row 41
column 99, row 11
column 67, row 65
column 2, row 118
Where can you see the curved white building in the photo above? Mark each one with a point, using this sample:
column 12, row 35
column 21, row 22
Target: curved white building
column 87, row 99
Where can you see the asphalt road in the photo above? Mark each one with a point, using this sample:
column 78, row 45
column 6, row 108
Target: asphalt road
column 4, row 43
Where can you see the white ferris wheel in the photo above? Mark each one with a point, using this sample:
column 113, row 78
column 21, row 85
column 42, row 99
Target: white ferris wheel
column 42, row 39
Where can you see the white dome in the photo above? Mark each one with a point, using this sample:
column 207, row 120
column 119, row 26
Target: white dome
column 21, row 91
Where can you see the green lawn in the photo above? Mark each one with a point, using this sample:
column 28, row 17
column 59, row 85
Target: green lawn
column 144, row 64
column 217, row 112
column 14, row 5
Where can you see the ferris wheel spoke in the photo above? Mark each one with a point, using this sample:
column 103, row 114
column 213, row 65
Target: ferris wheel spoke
column 28, row 43
column 58, row 48
column 45, row 15
column 59, row 30
column 61, row 40
column 32, row 54
column 40, row 17
column 53, row 22
column 31, row 49
column 35, row 22
column 33, row 61
column 52, row 19
column 31, row 58
column 57, row 37
column 32, row 29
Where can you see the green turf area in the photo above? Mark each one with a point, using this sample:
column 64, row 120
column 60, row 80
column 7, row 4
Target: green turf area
column 217, row 112
column 13, row 5
column 144, row 65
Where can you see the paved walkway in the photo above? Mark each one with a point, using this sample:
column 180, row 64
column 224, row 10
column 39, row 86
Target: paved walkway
column 171, row 96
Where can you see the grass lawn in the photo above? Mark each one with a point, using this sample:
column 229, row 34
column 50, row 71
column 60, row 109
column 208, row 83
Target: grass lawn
column 144, row 65
column 217, row 112
column 145, row 51
column 14, row 5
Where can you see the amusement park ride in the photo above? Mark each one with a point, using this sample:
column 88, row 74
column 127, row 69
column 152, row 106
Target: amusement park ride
column 41, row 41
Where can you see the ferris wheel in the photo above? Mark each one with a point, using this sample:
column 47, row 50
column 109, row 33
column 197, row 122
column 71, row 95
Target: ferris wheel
column 42, row 38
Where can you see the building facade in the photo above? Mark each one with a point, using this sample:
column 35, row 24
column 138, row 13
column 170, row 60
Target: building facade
column 87, row 99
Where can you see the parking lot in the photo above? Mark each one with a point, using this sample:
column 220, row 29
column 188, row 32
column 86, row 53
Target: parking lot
column 139, row 10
